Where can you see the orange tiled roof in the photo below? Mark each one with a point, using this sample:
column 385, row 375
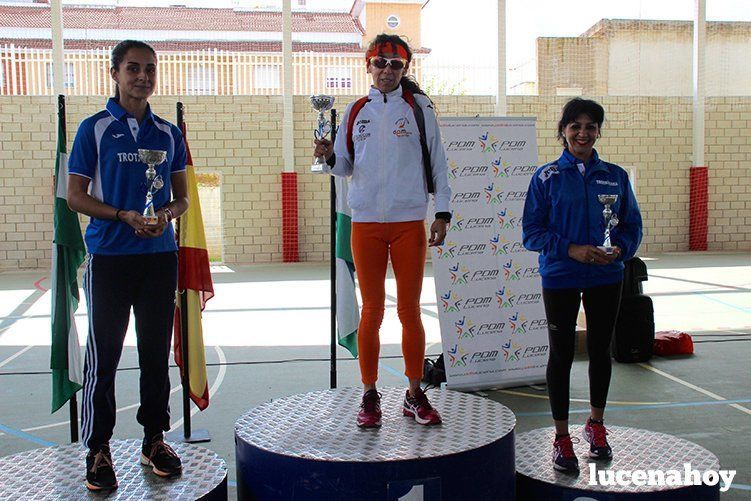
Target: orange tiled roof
column 186, row 45
column 177, row 19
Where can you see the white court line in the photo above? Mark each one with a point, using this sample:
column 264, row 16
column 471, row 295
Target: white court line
column 582, row 400
column 121, row 409
column 214, row 387
column 13, row 357
column 63, row 423
column 695, row 388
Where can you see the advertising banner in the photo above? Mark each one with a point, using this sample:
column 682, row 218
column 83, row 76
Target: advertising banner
column 493, row 325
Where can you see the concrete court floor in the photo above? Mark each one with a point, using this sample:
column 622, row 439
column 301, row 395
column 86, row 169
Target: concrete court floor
column 264, row 317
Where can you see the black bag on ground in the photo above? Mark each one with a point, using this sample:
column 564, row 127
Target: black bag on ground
column 434, row 373
column 634, row 330
column 634, row 273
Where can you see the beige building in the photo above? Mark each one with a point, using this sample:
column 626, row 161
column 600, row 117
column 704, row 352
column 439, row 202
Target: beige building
column 399, row 17
column 626, row 57
column 202, row 51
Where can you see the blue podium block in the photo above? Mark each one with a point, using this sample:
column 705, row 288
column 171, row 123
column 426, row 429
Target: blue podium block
column 633, row 450
column 308, row 447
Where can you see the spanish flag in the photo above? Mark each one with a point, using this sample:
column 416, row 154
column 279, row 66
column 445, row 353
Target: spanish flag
column 194, row 289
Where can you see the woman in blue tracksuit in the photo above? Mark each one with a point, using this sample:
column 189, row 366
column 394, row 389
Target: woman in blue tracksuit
column 132, row 261
column 563, row 221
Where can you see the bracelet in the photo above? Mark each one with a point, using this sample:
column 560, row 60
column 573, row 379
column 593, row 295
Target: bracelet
column 117, row 214
column 168, row 213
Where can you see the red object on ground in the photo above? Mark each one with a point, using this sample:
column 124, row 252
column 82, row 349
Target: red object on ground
column 673, row 343
column 697, row 209
column 290, row 240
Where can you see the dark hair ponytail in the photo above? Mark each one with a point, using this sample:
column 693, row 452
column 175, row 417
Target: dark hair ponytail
column 118, row 54
column 407, row 82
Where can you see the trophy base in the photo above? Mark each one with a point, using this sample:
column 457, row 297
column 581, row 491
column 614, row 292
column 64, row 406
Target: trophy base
column 606, row 250
column 317, row 168
column 151, row 220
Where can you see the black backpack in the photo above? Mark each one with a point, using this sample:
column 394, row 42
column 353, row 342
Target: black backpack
column 635, row 327
column 434, row 373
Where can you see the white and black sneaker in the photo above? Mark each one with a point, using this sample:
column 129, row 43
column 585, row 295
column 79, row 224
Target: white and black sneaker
column 163, row 460
column 100, row 474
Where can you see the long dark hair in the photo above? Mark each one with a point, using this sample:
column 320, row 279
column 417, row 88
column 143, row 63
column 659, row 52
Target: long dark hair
column 407, row 82
column 118, row 54
column 574, row 109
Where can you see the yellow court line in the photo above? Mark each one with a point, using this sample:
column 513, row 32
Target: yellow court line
column 584, row 400
column 695, row 388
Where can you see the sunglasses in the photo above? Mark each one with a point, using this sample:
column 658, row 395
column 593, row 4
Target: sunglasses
column 381, row 62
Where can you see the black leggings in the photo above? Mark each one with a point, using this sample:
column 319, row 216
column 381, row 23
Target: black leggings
column 561, row 308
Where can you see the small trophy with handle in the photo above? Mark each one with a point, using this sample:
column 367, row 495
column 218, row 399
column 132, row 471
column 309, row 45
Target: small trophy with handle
column 611, row 220
column 321, row 103
column 154, row 183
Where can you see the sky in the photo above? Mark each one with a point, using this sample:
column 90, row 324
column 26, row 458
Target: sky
column 472, row 24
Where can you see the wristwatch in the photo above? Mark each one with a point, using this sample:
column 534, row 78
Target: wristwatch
column 446, row 216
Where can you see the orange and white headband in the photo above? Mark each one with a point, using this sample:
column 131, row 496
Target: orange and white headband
column 387, row 48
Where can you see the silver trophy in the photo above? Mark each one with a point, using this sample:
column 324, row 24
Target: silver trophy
column 611, row 220
column 321, row 104
column 154, row 183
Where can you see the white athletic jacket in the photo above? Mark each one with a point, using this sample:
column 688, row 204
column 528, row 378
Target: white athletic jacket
column 388, row 177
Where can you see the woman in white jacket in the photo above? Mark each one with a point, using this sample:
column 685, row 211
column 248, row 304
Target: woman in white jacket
column 382, row 151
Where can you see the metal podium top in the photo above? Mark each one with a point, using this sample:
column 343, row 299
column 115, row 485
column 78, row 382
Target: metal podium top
column 633, row 449
column 321, row 426
column 59, row 473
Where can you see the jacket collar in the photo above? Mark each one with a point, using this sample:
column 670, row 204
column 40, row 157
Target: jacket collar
column 118, row 112
column 569, row 161
column 377, row 94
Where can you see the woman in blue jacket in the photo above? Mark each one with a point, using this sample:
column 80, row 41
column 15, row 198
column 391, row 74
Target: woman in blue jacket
column 563, row 221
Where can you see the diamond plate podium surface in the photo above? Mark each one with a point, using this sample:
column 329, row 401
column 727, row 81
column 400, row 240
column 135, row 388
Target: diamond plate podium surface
column 308, row 446
column 56, row 473
column 633, row 449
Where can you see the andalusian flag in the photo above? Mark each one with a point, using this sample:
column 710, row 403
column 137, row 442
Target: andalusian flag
column 194, row 289
column 68, row 253
column 347, row 310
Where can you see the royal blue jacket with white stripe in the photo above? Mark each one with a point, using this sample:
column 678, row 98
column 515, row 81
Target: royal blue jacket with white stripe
column 562, row 208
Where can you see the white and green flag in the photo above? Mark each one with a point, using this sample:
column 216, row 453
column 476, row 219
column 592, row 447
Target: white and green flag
column 347, row 309
column 68, row 253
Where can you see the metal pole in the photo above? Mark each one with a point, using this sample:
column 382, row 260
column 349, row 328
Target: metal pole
column 184, row 319
column 73, row 405
column 73, row 401
column 288, row 131
column 699, row 87
column 188, row 434
column 332, row 253
column 58, row 58
column 500, row 101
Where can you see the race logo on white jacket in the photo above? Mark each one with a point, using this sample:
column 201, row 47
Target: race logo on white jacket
column 400, row 129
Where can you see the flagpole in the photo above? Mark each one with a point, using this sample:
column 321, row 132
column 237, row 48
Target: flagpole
column 184, row 324
column 73, row 402
column 182, row 297
column 332, row 253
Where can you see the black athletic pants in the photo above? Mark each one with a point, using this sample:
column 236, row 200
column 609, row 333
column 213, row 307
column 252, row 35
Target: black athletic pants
column 561, row 308
column 114, row 284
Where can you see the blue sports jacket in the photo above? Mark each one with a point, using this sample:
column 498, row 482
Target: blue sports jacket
column 562, row 208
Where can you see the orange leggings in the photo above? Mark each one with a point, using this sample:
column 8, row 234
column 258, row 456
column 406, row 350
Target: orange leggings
column 372, row 243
